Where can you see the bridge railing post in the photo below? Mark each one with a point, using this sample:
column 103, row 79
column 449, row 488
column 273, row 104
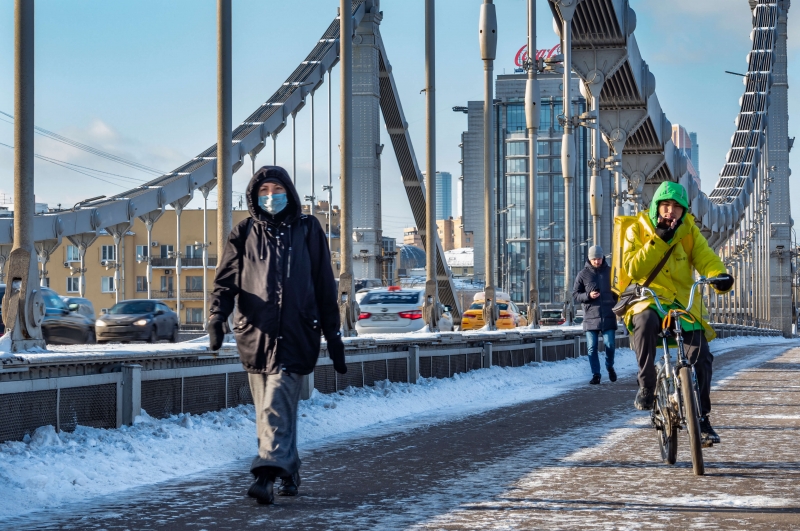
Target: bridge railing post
column 413, row 364
column 487, row 355
column 131, row 393
column 539, row 356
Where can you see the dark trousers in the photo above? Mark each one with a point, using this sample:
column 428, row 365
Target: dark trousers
column 646, row 327
column 275, row 397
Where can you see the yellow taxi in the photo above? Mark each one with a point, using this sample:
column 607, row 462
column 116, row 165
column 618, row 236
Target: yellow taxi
column 510, row 316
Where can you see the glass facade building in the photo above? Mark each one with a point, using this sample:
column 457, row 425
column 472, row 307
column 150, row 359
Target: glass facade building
column 511, row 172
column 444, row 195
column 512, row 200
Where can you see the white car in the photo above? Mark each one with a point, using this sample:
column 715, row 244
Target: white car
column 394, row 310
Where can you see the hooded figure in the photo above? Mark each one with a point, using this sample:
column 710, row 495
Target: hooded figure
column 275, row 277
column 592, row 289
column 668, row 224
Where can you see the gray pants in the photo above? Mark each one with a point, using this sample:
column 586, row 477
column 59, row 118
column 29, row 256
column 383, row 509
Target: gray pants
column 275, row 397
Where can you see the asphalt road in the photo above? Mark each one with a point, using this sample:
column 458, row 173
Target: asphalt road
column 582, row 460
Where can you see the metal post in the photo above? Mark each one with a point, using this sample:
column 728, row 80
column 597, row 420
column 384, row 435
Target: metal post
column 274, row 149
column 178, row 253
column 431, row 291
column 224, row 127
column 596, row 185
column 117, row 239
column 488, row 45
column 330, row 166
column 205, row 190
column 313, row 190
column 149, row 226
column 347, row 305
column 532, row 116
column 23, row 308
column 294, row 148
column 568, row 154
column 82, row 278
column 617, row 186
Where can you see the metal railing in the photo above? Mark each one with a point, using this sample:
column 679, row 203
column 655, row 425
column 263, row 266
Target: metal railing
column 189, row 295
column 67, row 389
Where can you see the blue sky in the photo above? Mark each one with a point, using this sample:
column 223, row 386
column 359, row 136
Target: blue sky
column 138, row 79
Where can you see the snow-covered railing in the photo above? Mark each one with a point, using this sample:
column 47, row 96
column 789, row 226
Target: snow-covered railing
column 107, row 387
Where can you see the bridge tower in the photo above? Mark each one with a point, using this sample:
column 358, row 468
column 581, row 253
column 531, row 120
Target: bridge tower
column 366, row 214
column 778, row 172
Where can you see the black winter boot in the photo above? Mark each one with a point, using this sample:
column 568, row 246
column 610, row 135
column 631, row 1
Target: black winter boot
column 289, row 485
column 595, row 379
column 644, row 399
column 707, row 433
column 612, row 374
column 261, row 490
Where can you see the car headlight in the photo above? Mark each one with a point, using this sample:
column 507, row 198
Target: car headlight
column 99, row 323
column 141, row 322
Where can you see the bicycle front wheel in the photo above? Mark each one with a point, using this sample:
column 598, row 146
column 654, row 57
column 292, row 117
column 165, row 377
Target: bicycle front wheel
column 692, row 420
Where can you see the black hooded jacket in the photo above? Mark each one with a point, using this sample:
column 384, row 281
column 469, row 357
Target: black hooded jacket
column 276, row 271
column 597, row 314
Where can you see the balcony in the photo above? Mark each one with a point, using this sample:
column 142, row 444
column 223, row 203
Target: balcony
column 185, row 262
column 186, row 295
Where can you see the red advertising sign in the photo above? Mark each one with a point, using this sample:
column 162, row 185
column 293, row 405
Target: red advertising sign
column 522, row 54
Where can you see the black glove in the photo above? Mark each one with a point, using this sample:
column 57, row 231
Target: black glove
column 336, row 353
column 724, row 283
column 666, row 230
column 216, row 331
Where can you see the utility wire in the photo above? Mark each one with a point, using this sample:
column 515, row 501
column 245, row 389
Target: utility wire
column 90, row 149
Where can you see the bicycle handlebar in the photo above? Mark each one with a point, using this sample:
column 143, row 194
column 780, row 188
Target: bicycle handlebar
column 700, row 282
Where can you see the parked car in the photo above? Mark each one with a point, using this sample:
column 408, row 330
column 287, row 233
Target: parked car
column 510, row 315
column 551, row 317
column 80, row 305
column 138, row 320
column 395, row 310
column 62, row 326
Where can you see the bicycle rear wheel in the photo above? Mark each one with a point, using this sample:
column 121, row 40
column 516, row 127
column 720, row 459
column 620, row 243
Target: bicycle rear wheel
column 692, row 420
column 665, row 428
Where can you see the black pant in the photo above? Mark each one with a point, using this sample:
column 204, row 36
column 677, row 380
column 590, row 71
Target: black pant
column 646, row 327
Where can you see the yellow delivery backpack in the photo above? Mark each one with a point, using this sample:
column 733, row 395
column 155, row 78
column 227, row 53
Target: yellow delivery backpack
column 619, row 277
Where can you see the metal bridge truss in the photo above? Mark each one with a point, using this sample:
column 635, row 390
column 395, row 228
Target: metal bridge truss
column 117, row 213
column 735, row 216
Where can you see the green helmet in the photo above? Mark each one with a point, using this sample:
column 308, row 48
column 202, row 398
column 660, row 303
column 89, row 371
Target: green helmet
column 668, row 190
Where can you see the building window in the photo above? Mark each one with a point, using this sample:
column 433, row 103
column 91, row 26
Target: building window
column 108, row 252
column 107, row 284
column 72, row 254
column 142, row 252
column 167, row 283
column 194, row 283
column 73, row 285
column 141, row 284
column 45, row 282
column 194, row 315
column 165, row 250
column 191, row 252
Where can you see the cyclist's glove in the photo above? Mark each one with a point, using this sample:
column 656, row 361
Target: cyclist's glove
column 724, row 283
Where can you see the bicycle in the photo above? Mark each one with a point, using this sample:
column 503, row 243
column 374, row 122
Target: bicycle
column 674, row 410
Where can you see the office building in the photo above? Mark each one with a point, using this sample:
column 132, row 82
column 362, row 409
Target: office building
column 511, row 187
column 444, row 195
column 695, row 153
column 685, row 142
column 452, row 234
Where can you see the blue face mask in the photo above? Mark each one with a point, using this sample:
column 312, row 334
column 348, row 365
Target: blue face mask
column 272, row 204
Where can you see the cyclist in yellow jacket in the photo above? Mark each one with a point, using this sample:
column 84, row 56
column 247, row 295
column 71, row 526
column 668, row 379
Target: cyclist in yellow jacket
column 666, row 224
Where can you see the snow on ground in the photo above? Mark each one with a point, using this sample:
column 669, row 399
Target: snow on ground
column 51, row 469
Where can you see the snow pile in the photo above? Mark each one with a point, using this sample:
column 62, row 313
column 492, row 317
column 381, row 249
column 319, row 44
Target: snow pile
column 49, row 469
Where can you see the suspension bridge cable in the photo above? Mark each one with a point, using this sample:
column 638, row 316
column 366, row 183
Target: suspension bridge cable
column 90, row 149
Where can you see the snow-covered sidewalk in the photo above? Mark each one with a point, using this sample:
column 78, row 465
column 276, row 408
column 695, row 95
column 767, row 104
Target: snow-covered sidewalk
column 52, row 469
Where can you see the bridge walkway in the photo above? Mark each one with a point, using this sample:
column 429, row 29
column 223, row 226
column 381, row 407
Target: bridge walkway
column 583, row 459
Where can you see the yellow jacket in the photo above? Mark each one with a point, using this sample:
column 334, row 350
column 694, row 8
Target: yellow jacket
column 642, row 250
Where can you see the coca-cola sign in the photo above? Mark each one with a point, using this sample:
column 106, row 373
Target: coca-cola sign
column 522, row 54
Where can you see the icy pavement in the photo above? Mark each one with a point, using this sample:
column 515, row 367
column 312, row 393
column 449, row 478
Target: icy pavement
column 55, row 470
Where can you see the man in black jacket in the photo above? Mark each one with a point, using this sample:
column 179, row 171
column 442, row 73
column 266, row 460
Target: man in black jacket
column 592, row 289
column 275, row 276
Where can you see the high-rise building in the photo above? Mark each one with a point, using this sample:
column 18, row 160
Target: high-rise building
column 511, row 188
column 444, row 195
column 695, row 153
column 685, row 142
